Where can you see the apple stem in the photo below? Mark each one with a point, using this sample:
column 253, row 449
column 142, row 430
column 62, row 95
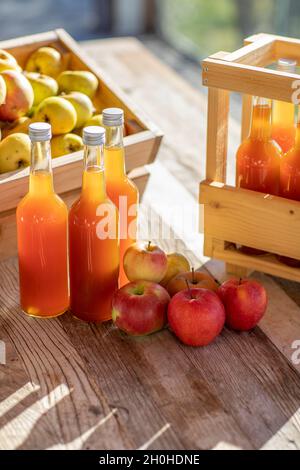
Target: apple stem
column 193, row 275
column 149, row 244
column 189, row 289
column 240, row 281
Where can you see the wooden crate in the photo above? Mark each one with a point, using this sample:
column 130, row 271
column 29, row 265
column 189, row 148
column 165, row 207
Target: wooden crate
column 239, row 216
column 141, row 143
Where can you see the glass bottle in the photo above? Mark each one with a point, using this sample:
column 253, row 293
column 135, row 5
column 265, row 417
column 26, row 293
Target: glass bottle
column 42, row 235
column 258, row 157
column 93, row 237
column 283, row 126
column 121, row 190
column 290, row 181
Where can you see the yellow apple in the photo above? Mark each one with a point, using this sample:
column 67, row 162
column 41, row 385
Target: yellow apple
column 20, row 125
column 83, row 106
column 78, row 80
column 15, row 152
column 59, row 112
column 19, row 96
column 2, row 90
column 8, row 62
column 95, row 120
column 45, row 60
column 177, row 263
column 64, row 144
column 43, row 86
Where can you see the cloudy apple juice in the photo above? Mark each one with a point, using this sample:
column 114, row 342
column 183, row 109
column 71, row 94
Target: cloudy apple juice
column 93, row 238
column 121, row 190
column 42, row 235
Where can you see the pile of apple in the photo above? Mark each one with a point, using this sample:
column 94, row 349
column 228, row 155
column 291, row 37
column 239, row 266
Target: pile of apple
column 45, row 92
column 163, row 290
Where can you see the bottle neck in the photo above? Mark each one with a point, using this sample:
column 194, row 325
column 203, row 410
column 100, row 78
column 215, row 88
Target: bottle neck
column 283, row 112
column 114, row 153
column 93, row 182
column 41, row 179
column 261, row 127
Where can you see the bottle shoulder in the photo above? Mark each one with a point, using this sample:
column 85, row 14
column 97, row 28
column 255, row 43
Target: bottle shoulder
column 42, row 204
column 257, row 149
column 88, row 208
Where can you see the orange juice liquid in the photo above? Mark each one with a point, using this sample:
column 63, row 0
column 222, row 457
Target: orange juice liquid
column 94, row 262
column 42, row 247
column 258, row 157
column 290, row 171
column 283, row 128
column 124, row 194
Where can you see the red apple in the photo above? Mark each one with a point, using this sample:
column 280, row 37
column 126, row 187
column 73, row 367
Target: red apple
column 196, row 280
column 143, row 260
column 140, row 308
column 245, row 303
column 19, row 96
column 196, row 316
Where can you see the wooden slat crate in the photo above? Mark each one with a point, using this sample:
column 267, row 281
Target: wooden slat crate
column 234, row 216
column 141, row 143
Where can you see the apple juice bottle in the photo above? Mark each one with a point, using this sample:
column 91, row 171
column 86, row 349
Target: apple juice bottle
column 283, row 125
column 121, row 190
column 290, row 180
column 42, row 220
column 93, row 237
column 258, row 157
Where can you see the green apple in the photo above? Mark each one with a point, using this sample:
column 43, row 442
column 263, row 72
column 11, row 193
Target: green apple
column 15, row 152
column 95, row 120
column 64, row 144
column 58, row 112
column 45, row 60
column 83, row 106
column 43, row 86
column 78, row 80
column 7, row 61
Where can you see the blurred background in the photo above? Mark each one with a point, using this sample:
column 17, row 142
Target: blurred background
column 194, row 28
column 179, row 31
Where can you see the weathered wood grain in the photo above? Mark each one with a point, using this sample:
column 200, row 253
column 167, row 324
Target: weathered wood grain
column 68, row 403
column 68, row 384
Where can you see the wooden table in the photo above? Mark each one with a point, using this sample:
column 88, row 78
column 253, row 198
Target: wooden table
column 70, row 385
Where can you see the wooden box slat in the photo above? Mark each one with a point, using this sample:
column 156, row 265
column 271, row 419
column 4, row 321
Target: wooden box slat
column 235, row 216
column 140, row 147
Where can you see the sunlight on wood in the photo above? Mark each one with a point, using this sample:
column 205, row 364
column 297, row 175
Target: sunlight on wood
column 10, row 438
column 156, row 436
column 10, row 402
column 226, row 446
column 290, row 433
column 79, row 442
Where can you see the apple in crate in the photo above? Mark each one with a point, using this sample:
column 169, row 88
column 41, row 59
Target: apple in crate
column 8, row 62
column 146, row 261
column 245, row 302
column 140, row 308
column 196, row 316
column 45, row 60
column 19, row 96
column 2, row 90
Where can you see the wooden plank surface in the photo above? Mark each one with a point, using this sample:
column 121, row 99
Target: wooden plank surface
column 67, row 384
